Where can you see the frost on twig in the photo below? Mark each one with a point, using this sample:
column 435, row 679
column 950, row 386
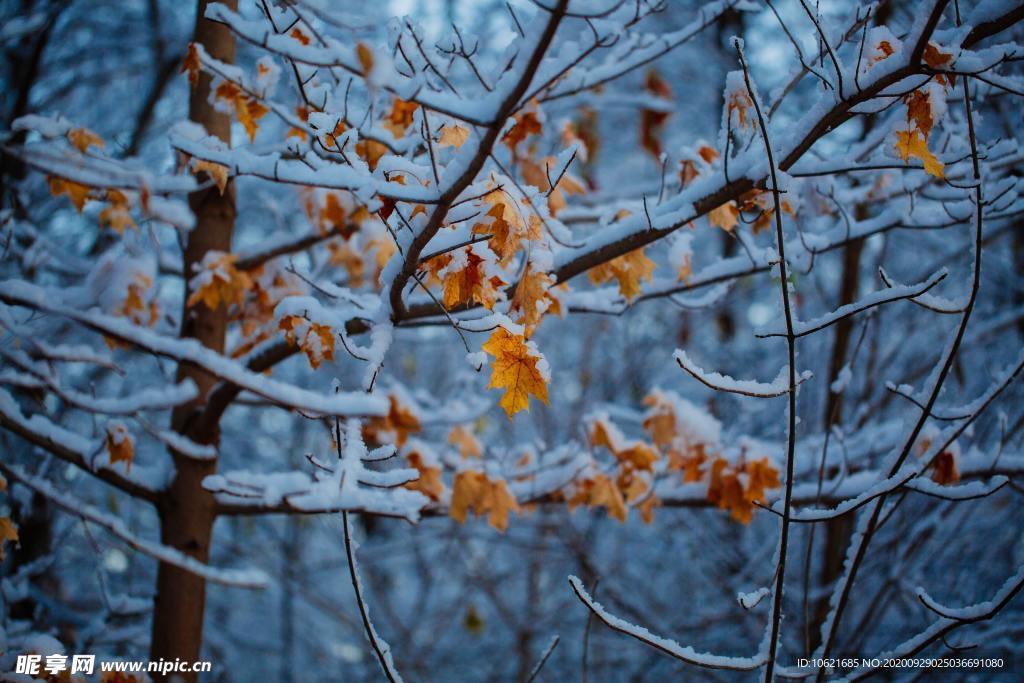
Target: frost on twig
column 745, row 387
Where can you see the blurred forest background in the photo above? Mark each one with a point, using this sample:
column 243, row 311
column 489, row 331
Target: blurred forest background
column 465, row 601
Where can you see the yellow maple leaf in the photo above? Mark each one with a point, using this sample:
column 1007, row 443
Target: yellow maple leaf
column 912, row 144
column 453, row 135
column 531, row 297
column 119, row 444
column 249, row 113
column 628, row 269
column 518, row 368
column 83, row 139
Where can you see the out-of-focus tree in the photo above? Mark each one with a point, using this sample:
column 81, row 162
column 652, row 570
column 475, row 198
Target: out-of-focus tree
column 273, row 264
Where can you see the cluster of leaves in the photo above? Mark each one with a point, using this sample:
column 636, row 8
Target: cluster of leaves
column 684, row 439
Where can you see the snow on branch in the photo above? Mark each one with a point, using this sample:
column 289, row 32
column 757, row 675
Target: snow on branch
column 642, row 50
column 969, row 491
column 669, row 647
column 297, row 171
column 346, row 487
column 745, row 387
column 894, row 292
column 18, row 293
column 950, row 619
column 238, row 578
column 69, row 447
column 150, row 398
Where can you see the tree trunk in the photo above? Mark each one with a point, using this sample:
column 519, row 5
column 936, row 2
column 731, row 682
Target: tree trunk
column 186, row 510
column 839, row 529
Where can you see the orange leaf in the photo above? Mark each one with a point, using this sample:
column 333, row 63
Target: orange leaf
column 629, row 270
column 469, row 446
column 518, row 368
column 761, row 475
column 365, row 56
column 192, row 64
column 83, row 139
column 526, row 124
column 473, row 491
column 471, row 284
column 117, row 215
column 601, row 491
column 429, row 483
column 218, row 172
column 531, row 298
column 317, row 340
column 219, row 282
column 78, row 194
column 725, row 216
column 119, row 444
column 453, row 135
column 945, row 470
column 395, row 427
column 8, row 534
column 911, row 144
column 400, row 117
column 919, row 111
